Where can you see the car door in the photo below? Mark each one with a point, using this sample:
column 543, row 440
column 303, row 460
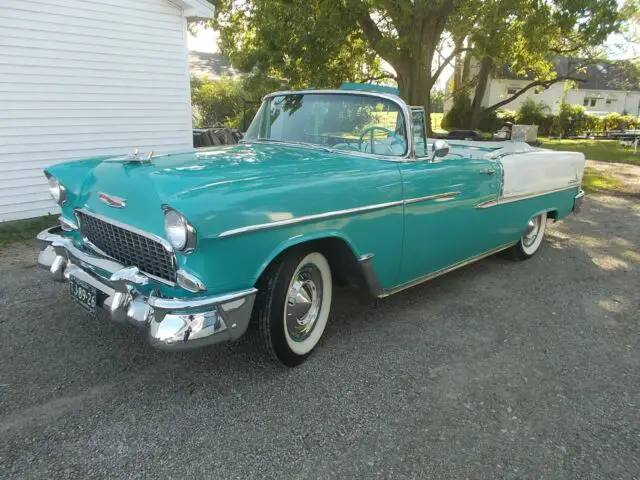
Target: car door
column 442, row 225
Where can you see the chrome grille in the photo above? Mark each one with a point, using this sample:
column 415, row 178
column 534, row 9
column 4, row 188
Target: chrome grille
column 127, row 247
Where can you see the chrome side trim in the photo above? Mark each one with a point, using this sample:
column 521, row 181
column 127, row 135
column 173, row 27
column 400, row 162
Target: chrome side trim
column 334, row 214
column 308, row 218
column 374, row 284
column 439, row 196
column 523, row 196
column 164, row 242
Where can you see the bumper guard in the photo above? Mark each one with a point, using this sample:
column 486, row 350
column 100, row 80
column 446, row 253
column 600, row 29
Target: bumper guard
column 171, row 323
column 577, row 201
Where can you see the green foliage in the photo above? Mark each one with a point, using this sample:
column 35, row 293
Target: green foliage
column 615, row 121
column 437, row 101
column 457, row 117
column 489, row 121
column 532, row 112
column 304, row 43
column 458, row 114
column 507, row 116
column 569, row 120
column 232, row 102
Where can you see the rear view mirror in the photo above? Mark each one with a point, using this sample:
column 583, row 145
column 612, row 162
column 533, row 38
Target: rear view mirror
column 440, row 149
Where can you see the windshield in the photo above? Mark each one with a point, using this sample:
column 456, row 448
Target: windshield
column 350, row 122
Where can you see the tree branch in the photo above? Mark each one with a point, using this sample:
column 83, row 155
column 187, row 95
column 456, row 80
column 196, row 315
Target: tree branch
column 384, row 76
column 376, row 38
column 538, row 83
column 447, row 60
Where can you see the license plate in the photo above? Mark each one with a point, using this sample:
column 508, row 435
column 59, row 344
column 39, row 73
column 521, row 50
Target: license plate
column 83, row 294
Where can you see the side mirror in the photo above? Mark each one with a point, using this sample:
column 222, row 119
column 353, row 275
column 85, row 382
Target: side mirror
column 440, row 149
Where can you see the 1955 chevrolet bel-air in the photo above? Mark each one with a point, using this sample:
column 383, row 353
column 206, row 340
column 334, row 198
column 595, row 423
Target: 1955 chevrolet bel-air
column 328, row 186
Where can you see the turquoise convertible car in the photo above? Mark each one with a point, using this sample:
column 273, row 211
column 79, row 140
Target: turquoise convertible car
column 328, row 186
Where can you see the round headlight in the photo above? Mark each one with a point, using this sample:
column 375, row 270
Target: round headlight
column 179, row 231
column 56, row 190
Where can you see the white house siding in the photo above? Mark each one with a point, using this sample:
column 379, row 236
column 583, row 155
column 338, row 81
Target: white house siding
column 86, row 77
column 498, row 91
column 619, row 101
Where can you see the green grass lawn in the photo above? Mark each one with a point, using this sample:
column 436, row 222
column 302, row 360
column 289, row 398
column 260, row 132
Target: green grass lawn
column 594, row 182
column 21, row 230
column 602, row 150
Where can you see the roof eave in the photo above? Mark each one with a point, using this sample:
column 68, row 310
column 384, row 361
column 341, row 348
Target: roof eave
column 194, row 8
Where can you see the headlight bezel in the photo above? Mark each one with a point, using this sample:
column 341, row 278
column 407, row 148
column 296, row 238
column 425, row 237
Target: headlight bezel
column 60, row 195
column 182, row 226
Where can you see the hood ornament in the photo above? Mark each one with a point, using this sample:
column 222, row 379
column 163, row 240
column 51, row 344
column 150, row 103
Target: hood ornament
column 112, row 201
column 135, row 157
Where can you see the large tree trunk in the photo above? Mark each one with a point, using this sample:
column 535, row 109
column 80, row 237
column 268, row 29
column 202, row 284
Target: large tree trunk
column 414, row 70
column 483, row 80
column 411, row 57
column 458, row 66
column 414, row 81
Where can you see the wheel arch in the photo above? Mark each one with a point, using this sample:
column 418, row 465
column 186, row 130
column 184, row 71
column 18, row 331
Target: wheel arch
column 339, row 249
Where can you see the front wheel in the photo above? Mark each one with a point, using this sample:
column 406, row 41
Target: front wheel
column 292, row 306
column 531, row 239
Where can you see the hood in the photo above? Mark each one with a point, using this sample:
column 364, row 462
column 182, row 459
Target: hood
column 189, row 181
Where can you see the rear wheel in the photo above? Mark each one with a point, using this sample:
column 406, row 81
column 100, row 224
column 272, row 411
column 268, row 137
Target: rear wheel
column 531, row 239
column 292, row 306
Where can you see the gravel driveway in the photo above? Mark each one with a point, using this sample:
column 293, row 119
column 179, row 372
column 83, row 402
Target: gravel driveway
column 497, row 370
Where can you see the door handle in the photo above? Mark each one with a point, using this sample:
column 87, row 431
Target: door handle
column 488, row 171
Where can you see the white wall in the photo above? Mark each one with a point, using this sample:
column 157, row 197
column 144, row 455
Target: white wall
column 620, row 101
column 498, row 91
column 86, row 77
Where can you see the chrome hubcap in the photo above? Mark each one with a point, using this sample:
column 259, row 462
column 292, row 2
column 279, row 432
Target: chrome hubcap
column 304, row 300
column 532, row 231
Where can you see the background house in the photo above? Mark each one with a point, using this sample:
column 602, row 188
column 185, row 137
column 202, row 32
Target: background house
column 80, row 78
column 609, row 87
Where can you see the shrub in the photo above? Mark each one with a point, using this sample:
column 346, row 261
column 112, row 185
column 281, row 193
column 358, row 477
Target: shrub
column 489, row 121
column 569, row 121
column 532, row 113
column 615, row 121
column 230, row 102
column 459, row 113
column 505, row 116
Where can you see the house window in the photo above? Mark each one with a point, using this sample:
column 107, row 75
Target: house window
column 589, row 102
column 512, row 90
column 585, row 102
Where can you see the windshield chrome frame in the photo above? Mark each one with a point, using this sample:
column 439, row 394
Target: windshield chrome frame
column 409, row 156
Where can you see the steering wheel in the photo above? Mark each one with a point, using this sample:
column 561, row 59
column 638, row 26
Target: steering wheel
column 370, row 130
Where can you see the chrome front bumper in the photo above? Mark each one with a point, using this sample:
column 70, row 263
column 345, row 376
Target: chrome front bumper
column 577, row 201
column 171, row 323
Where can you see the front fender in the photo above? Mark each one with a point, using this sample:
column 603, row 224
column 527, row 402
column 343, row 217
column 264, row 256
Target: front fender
column 301, row 240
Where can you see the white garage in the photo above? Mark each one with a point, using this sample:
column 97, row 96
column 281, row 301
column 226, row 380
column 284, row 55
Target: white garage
column 88, row 77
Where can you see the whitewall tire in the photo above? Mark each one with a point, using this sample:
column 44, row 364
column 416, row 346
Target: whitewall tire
column 292, row 306
column 531, row 239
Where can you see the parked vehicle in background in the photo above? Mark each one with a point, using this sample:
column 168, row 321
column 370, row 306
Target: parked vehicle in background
column 328, row 186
